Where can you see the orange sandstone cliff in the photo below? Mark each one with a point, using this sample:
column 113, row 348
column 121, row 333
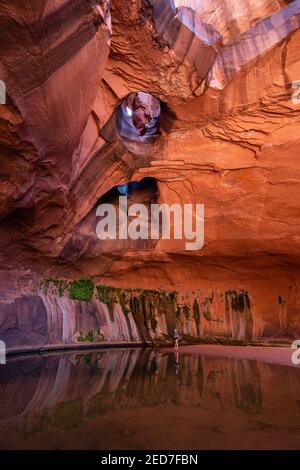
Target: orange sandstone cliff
column 226, row 75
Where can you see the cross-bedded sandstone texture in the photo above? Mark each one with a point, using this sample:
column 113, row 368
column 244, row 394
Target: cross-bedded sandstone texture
column 225, row 74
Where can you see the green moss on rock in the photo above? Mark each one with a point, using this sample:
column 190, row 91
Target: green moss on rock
column 80, row 338
column 81, row 289
column 106, row 294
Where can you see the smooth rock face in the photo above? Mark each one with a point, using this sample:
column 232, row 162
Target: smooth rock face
column 228, row 139
column 49, row 319
column 53, row 55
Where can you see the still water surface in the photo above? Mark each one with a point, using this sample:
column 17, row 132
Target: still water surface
column 145, row 399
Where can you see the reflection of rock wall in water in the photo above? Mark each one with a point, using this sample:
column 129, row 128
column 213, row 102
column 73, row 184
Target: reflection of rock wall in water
column 64, row 392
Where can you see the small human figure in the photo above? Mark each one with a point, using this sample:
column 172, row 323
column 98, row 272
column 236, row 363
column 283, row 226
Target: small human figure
column 176, row 337
column 176, row 363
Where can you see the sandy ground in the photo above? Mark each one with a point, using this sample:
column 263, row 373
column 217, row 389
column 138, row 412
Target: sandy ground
column 271, row 355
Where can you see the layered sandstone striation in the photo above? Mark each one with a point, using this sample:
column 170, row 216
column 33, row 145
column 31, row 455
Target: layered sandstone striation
column 228, row 139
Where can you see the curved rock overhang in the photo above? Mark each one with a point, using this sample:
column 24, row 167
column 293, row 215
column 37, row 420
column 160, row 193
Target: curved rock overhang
column 226, row 144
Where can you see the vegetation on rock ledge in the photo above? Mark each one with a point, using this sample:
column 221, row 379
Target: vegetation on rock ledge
column 82, row 289
column 159, row 311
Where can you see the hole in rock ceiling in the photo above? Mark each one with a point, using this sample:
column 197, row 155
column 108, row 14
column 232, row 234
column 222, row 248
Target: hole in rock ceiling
column 188, row 3
column 195, row 4
column 138, row 117
column 142, row 191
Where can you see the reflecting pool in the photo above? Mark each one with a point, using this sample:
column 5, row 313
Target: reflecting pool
column 146, row 399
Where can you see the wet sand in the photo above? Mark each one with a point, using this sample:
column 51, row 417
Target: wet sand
column 271, row 355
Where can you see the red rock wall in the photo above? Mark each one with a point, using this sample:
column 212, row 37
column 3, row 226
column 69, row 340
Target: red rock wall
column 229, row 140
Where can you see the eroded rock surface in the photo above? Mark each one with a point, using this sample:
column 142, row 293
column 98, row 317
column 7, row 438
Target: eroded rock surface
column 228, row 139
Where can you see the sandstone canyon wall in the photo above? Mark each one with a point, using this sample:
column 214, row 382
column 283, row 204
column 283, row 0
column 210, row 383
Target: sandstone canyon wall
column 229, row 139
